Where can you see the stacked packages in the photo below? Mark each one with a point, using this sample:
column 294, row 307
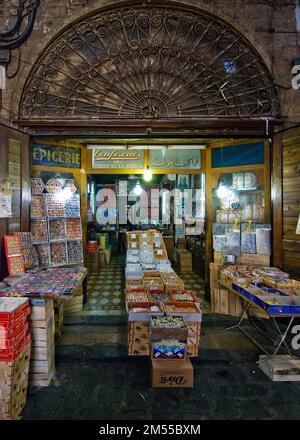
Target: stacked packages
column 14, row 356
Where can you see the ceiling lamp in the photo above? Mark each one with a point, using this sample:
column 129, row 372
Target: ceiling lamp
column 138, row 189
column 222, row 191
column 148, row 175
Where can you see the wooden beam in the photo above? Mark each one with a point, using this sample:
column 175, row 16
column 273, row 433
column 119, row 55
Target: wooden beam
column 277, row 199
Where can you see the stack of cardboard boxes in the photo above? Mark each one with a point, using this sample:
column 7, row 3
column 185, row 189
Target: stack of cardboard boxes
column 170, row 365
column 74, row 304
column 14, row 356
column 58, row 317
column 42, row 328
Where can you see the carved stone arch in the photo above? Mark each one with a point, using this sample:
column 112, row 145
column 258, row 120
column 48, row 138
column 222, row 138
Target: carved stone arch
column 155, row 61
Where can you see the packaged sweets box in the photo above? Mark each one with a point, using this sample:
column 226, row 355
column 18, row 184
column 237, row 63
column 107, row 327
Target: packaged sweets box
column 170, row 374
column 169, row 349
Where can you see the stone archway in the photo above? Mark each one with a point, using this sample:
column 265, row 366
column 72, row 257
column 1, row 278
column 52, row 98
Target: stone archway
column 155, row 61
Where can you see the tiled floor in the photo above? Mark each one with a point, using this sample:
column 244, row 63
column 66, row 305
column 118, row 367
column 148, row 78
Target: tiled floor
column 106, row 289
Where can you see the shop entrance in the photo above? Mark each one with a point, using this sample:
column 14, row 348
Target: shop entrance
column 152, row 202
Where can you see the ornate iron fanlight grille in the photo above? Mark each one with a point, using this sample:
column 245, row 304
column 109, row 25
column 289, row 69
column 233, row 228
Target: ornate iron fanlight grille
column 149, row 62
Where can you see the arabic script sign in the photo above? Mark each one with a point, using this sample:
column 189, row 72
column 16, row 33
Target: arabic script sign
column 175, row 159
column 116, row 159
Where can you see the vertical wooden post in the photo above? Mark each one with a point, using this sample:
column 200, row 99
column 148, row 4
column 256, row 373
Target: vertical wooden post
column 277, row 203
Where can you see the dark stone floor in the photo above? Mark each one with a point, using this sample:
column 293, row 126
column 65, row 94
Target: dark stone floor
column 96, row 380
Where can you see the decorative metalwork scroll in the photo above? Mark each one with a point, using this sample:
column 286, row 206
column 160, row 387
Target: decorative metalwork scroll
column 153, row 61
column 16, row 21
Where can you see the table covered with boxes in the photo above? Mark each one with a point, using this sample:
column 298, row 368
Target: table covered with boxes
column 164, row 319
column 27, row 331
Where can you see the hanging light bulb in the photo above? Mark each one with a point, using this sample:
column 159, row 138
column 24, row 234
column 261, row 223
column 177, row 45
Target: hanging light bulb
column 138, row 189
column 222, row 191
column 148, row 175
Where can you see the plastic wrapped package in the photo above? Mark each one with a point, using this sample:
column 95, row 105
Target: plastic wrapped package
column 248, row 244
column 232, row 244
column 219, row 242
column 263, row 241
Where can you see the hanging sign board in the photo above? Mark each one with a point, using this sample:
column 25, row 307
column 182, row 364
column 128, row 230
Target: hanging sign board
column 56, row 156
column 175, row 159
column 117, row 159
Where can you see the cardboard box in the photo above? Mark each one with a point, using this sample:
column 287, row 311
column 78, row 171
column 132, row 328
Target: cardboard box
column 260, row 260
column 172, row 374
column 170, row 245
column 280, row 368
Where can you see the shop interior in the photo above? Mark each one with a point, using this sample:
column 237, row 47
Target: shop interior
column 198, row 193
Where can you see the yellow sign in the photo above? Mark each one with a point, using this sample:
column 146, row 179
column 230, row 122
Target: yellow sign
column 118, row 159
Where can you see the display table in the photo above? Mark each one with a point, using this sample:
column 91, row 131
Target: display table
column 51, row 283
column 279, row 340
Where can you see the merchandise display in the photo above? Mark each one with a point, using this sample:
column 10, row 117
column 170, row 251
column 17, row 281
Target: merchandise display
column 54, row 185
column 75, row 254
column 72, row 206
column 50, row 283
column 55, row 206
column 14, row 327
column 74, row 229
column 43, row 253
column 37, row 186
column 57, row 230
column 58, row 254
column 38, row 206
column 13, row 253
column 164, row 318
column 55, row 223
column 39, row 231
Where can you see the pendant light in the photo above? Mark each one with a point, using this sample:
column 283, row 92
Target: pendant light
column 148, row 175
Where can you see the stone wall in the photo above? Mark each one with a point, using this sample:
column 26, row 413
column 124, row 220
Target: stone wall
column 269, row 24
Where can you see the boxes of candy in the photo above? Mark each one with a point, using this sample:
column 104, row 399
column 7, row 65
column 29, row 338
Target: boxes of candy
column 15, row 265
column 58, row 254
column 38, row 206
column 75, row 254
column 74, row 229
column 134, row 271
column 282, row 283
column 14, row 257
column 134, row 284
column 43, row 253
column 39, row 231
column 55, row 205
column 12, row 245
column 164, row 298
column 55, row 185
column 168, row 328
column 133, row 245
column 138, row 299
column 168, row 349
column 72, row 206
column 184, row 298
column 57, row 229
column 154, row 284
column 37, row 186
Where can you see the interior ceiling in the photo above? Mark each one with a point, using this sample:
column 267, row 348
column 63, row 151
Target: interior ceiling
column 106, row 179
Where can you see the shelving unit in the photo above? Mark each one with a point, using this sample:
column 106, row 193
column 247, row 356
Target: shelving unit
column 62, row 249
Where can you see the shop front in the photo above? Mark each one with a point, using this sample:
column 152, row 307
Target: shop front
column 154, row 157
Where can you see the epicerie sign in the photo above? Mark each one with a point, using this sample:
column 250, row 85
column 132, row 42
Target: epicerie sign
column 56, row 156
